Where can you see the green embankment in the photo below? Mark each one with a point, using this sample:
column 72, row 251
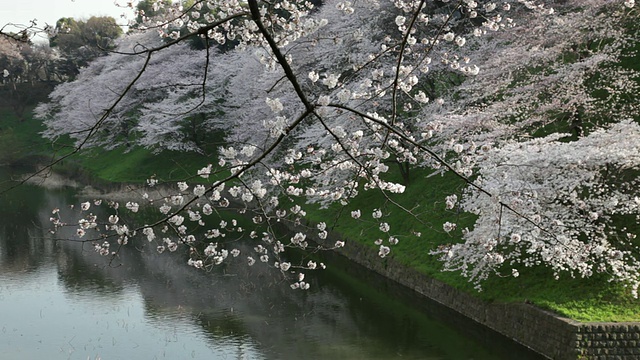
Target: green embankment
column 592, row 299
column 138, row 164
column 585, row 300
column 21, row 145
column 19, row 139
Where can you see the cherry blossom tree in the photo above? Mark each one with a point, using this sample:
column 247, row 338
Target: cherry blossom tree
column 79, row 41
column 153, row 109
column 27, row 73
column 316, row 101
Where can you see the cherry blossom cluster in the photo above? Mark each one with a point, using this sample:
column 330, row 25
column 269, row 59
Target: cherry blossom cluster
column 320, row 104
column 552, row 204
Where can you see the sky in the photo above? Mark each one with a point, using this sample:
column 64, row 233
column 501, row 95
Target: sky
column 49, row 11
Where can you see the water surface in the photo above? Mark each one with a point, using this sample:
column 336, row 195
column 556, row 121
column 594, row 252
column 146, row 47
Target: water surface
column 60, row 300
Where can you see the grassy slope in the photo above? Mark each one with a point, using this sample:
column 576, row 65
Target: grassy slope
column 581, row 299
column 20, row 143
column 137, row 164
column 19, row 139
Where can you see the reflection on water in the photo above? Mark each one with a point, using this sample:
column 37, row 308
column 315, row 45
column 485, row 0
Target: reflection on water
column 60, row 300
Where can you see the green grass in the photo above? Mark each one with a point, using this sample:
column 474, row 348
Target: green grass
column 19, row 139
column 138, row 164
column 21, row 144
column 592, row 299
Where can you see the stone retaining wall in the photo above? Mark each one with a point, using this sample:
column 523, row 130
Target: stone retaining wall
column 609, row 341
column 550, row 335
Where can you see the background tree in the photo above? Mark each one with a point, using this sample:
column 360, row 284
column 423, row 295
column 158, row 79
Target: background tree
column 150, row 9
column 161, row 111
column 29, row 73
column 80, row 41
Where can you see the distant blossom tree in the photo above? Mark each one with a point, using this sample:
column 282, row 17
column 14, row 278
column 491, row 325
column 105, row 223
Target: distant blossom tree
column 315, row 102
column 27, row 73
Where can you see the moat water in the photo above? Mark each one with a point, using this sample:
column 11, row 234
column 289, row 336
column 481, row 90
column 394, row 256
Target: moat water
column 60, row 300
